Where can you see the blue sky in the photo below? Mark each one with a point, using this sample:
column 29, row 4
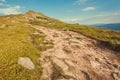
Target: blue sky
column 72, row 11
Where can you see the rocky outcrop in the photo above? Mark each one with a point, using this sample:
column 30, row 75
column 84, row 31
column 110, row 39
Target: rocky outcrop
column 31, row 15
column 26, row 62
column 76, row 57
column 62, row 68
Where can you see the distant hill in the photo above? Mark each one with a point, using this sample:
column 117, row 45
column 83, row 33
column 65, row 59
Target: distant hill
column 113, row 26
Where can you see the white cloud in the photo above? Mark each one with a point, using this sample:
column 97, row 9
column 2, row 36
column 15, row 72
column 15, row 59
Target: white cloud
column 109, row 17
column 6, row 9
column 104, row 18
column 10, row 10
column 73, row 20
column 89, row 9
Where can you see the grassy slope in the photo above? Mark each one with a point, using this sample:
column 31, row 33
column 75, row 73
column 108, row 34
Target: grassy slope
column 105, row 36
column 15, row 42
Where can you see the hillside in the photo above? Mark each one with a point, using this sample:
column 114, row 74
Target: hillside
column 108, row 38
column 36, row 47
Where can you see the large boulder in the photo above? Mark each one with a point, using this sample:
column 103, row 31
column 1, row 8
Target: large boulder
column 26, row 62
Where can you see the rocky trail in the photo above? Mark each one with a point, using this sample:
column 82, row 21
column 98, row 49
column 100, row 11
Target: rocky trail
column 76, row 57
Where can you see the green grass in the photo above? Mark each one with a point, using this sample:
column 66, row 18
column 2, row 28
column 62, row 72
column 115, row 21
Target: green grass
column 15, row 42
column 17, row 39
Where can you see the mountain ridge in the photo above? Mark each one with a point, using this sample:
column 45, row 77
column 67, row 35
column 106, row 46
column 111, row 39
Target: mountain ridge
column 36, row 47
column 88, row 31
column 36, row 18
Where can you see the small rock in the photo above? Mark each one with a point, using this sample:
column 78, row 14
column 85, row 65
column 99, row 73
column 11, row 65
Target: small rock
column 69, row 63
column 94, row 64
column 75, row 41
column 67, row 49
column 60, row 64
column 3, row 26
column 116, row 76
column 26, row 62
column 69, row 75
column 86, row 75
column 102, row 61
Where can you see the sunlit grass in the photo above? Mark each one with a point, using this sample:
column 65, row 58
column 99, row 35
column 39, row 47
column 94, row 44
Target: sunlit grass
column 19, row 39
column 15, row 42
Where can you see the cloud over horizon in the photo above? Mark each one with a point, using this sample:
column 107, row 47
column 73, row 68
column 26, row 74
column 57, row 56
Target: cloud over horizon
column 89, row 9
column 6, row 9
column 96, row 19
column 10, row 10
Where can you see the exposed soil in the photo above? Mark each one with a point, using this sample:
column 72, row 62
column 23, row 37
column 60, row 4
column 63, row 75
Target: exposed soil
column 76, row 57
